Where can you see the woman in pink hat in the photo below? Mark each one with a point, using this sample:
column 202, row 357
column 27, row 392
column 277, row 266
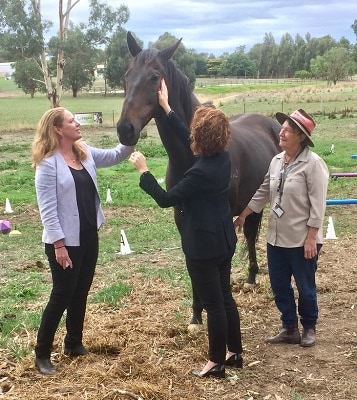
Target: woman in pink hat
column 296, row 188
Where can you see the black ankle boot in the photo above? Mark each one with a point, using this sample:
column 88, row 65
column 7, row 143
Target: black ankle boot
column 75, row 351
column 286, row 335
column 45, row 366
column 235, row 361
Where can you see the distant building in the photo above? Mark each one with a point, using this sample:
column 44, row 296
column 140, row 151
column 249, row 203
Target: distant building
column 6, row 70
column 99, row 71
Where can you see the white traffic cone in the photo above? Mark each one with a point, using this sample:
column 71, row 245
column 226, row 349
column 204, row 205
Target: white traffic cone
column 109, row 197
column 8, row 209
column 330, row 234
column 124, row 244
column 15, row 232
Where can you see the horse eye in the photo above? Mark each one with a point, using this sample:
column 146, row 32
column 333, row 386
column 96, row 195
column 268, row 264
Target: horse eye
column 155, row 78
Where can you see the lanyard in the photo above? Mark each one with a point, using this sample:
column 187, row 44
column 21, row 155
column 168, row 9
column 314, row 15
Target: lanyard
column 283, row 174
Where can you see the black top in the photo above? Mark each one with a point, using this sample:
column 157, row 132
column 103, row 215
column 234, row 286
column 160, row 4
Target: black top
column 203, row 193
column 85, row 192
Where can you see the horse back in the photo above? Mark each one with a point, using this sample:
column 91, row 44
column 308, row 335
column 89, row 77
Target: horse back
column 254, row 142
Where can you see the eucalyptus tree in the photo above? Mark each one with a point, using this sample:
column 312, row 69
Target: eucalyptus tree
column 80, row 62
column 268, row 62
column 255, row 54
column 28, row 77
column 23, row 35
column 201, row 67
column 238, row 64
column 286, row 57
column 299, row 57
column 184, row 58
column 334, row 65
column 117, row 58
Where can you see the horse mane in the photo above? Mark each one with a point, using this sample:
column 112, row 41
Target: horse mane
column 181, row 96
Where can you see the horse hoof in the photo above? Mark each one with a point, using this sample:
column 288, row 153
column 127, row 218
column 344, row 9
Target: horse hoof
column 195, row 328
column 248, row 287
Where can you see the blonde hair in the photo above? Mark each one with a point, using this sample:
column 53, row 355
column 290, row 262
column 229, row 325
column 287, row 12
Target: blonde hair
column 46, row 141
column 209, row 131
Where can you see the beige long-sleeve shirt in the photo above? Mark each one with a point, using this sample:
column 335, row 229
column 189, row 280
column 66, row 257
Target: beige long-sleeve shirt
column 303, row 198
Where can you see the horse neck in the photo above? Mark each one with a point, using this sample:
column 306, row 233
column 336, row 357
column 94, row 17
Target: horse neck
column 185, row 107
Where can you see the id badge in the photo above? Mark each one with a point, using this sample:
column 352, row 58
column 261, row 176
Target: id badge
column 278, row 210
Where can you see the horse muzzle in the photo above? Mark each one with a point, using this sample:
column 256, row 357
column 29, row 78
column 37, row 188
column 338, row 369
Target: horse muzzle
column 127, row 133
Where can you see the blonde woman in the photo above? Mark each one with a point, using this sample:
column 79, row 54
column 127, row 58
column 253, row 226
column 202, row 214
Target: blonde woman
column 71, row 214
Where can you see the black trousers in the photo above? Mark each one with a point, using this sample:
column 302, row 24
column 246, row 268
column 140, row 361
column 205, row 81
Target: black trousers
column 211, row 282
column 69, row 292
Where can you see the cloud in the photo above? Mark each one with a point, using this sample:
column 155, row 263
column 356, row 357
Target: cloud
column 217, row 26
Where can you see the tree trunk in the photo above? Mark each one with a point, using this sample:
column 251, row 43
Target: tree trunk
column 54, row 93
column 36, row 5
column 62, row 35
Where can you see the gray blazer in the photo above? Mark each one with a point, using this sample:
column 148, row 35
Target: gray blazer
column 56, row 192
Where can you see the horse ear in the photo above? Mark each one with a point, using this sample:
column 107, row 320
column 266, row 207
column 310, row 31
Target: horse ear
column 170, row 51
column 134, row 48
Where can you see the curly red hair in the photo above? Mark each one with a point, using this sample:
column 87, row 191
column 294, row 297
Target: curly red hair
column 209, row 131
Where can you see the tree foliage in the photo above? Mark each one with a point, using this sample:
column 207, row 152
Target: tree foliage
column 22, row 38
column 184, row 60
column 69, row 59
column 334, row 65
column 118, row 58
column 80, row 61
column 28, row 77
column 237, row 64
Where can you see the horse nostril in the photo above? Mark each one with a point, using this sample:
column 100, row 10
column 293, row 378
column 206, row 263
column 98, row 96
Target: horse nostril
column 125, row 133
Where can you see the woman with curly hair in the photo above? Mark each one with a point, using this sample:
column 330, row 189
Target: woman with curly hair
column 208, row 236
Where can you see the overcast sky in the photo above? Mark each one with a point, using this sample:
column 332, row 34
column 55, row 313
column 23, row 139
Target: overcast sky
column 217, row 26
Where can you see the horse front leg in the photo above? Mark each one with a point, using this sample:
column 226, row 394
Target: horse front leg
column 196, row 309
column 251, row 231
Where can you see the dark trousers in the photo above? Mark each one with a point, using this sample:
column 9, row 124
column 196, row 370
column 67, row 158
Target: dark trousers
column 69, row 292
column 211, row 283
column 284, row 263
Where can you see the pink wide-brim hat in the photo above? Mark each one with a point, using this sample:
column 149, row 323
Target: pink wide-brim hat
column 302, row 119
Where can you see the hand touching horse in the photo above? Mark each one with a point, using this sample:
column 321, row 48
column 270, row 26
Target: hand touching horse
column 254, row 137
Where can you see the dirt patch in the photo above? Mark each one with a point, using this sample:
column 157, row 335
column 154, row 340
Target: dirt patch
column 143, row 349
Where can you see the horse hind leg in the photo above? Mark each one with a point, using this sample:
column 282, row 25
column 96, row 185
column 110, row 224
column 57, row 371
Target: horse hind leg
column 251, row 232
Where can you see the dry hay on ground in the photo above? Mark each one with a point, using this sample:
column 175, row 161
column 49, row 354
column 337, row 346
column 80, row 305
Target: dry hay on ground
column 143, row 350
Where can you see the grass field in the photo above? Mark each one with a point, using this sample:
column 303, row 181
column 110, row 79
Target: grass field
column 24, row 278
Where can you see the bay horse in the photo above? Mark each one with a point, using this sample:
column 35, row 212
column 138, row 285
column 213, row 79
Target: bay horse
column 254, row 137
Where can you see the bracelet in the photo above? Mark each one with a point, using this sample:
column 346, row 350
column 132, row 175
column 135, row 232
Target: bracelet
column 145, row 173
column 59, row 247
column 170, row 112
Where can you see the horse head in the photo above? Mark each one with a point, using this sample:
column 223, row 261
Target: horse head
column 142, row 81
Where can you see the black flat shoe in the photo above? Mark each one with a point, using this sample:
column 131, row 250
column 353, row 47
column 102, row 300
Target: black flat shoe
column 235, row 361
column 217, row 371
column 45, row 366
column 76, row 351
